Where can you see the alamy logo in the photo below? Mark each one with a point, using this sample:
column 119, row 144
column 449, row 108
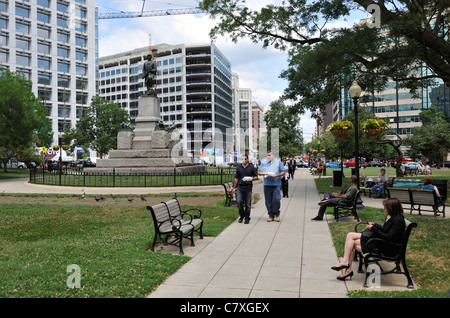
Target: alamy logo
column 374, row 279
column 74, row 280
column 374, row 10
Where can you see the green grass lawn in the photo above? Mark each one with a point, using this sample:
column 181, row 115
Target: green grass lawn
column 110, row 244
column 427, row 253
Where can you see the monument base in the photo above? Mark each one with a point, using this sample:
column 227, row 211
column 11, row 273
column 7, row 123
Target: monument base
column 146, row 150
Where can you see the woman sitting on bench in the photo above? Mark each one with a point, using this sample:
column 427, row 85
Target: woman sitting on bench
column 392, row 231
column 427, row 185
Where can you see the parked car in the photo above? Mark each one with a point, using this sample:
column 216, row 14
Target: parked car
column 302, row 164
column 85, row 162
column 375, row 164
column 13, row 163
column 334, row 164
column 413, row 165
column 350, row 163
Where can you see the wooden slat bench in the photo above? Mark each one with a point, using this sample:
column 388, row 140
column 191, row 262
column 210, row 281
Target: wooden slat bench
column 168, row 227
column 417, row 199
column 186, row 216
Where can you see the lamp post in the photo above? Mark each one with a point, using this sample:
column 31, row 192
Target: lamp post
column 355, row 92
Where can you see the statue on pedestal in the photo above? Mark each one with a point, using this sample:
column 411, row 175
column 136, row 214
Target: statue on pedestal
column 149, row 75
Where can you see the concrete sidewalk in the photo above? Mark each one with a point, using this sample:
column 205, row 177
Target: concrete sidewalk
column 288, row 259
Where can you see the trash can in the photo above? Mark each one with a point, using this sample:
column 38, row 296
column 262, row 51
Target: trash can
column 337, row 178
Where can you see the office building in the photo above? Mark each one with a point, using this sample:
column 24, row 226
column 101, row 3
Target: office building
column 194, row 85
column 54, row 44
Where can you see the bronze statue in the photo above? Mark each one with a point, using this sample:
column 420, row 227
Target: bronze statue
column 149, row 75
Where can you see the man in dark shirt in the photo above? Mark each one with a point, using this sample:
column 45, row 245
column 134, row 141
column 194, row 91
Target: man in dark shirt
column 243, row 183
column 333, row 199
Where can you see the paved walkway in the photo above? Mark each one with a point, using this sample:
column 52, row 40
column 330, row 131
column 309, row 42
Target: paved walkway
column 291, row 258
column 288, row 259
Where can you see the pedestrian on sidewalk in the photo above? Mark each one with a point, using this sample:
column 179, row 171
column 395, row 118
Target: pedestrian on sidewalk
column 285, row 179
column 273, row 170
column 333, row 199
column 243, row 185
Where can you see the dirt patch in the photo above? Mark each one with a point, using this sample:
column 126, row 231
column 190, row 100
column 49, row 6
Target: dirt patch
column 108, row 200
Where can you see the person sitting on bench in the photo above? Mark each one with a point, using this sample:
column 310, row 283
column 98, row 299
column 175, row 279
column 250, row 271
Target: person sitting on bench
column 333, row 199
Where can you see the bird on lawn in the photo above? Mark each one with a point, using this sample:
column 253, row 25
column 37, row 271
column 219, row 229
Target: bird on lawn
column 142, row 198
column 101, row 197
column 96, row 199
column 130, row 200
column 112, row 196
column 83, row 195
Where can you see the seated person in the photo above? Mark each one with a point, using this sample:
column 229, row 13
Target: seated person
column 427, row 185
column 392, row 231
column 382, row 179
column 333, row 199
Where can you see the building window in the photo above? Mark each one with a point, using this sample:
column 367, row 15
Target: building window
column 81, row 69
column 23, row 43
column 44, row 62
column 23, row 59
column 43, row 32
column 63, row 51
column 81, row 55
column 62, row 124
column 3, row 6
column 82, row 98
column 80, row 27
column 63, row 66
column 63, row 111
column 44, row 47
column 45, row 93
column 4, row 56
column 63, row 96
column 4, row 39
column 22, row 11
column 80, row 13
column 63, row 81
column 63, row 36
column 80, row 41
column 62, row 22
column 43, row 3
column 62, row 7
column 4, row 22
column 22, row 27
column 44, row 78
column 81, row 83
column 43, row 17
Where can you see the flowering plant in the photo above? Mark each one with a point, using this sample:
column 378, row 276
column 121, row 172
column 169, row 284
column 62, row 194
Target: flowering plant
column 340, row 125
column 56, row 147
column 372, row 123
column 65, row 147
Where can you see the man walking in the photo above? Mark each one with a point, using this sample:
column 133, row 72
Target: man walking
column 243, row 184
column 273, row 170
column 333, row 199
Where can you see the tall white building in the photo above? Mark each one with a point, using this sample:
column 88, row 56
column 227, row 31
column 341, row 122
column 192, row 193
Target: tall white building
column 54, row 43
column 194, row 85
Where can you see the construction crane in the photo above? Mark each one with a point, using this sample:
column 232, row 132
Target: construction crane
column 143, row 14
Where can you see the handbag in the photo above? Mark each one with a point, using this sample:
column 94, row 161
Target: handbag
column 366, row 235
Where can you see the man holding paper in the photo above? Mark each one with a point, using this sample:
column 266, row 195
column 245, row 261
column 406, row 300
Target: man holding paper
column 273, row 170
column 243, row 184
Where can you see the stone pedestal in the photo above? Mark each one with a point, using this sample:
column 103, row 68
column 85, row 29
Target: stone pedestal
column 146, row 150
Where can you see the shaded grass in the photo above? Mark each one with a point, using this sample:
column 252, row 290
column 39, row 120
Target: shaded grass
column 109, row 243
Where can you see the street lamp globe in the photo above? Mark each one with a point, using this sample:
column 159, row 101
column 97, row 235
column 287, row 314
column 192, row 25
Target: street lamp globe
column 355, row 90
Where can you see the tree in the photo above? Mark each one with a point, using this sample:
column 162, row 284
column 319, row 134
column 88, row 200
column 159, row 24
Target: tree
column 290, row 137
column 99, row 127
column 23, row 118
column 323, row 59
column 432, row 138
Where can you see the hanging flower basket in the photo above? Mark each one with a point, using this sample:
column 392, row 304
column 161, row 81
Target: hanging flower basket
column 56, row 148
column 340, row 128
column 340, row 132
column 65, row 147
column 373, row 132
column 373, row 127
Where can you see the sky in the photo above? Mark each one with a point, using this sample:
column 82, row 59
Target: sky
column 257, row 68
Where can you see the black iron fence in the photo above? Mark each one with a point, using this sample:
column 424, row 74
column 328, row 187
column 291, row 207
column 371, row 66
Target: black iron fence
column 67, row 176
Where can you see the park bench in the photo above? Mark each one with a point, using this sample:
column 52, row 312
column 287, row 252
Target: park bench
column 186, row 216
column 168, row 227
column 418, row 198
column 369, row 182
column 342, row 210
column 228, row 186
column 375, row 254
